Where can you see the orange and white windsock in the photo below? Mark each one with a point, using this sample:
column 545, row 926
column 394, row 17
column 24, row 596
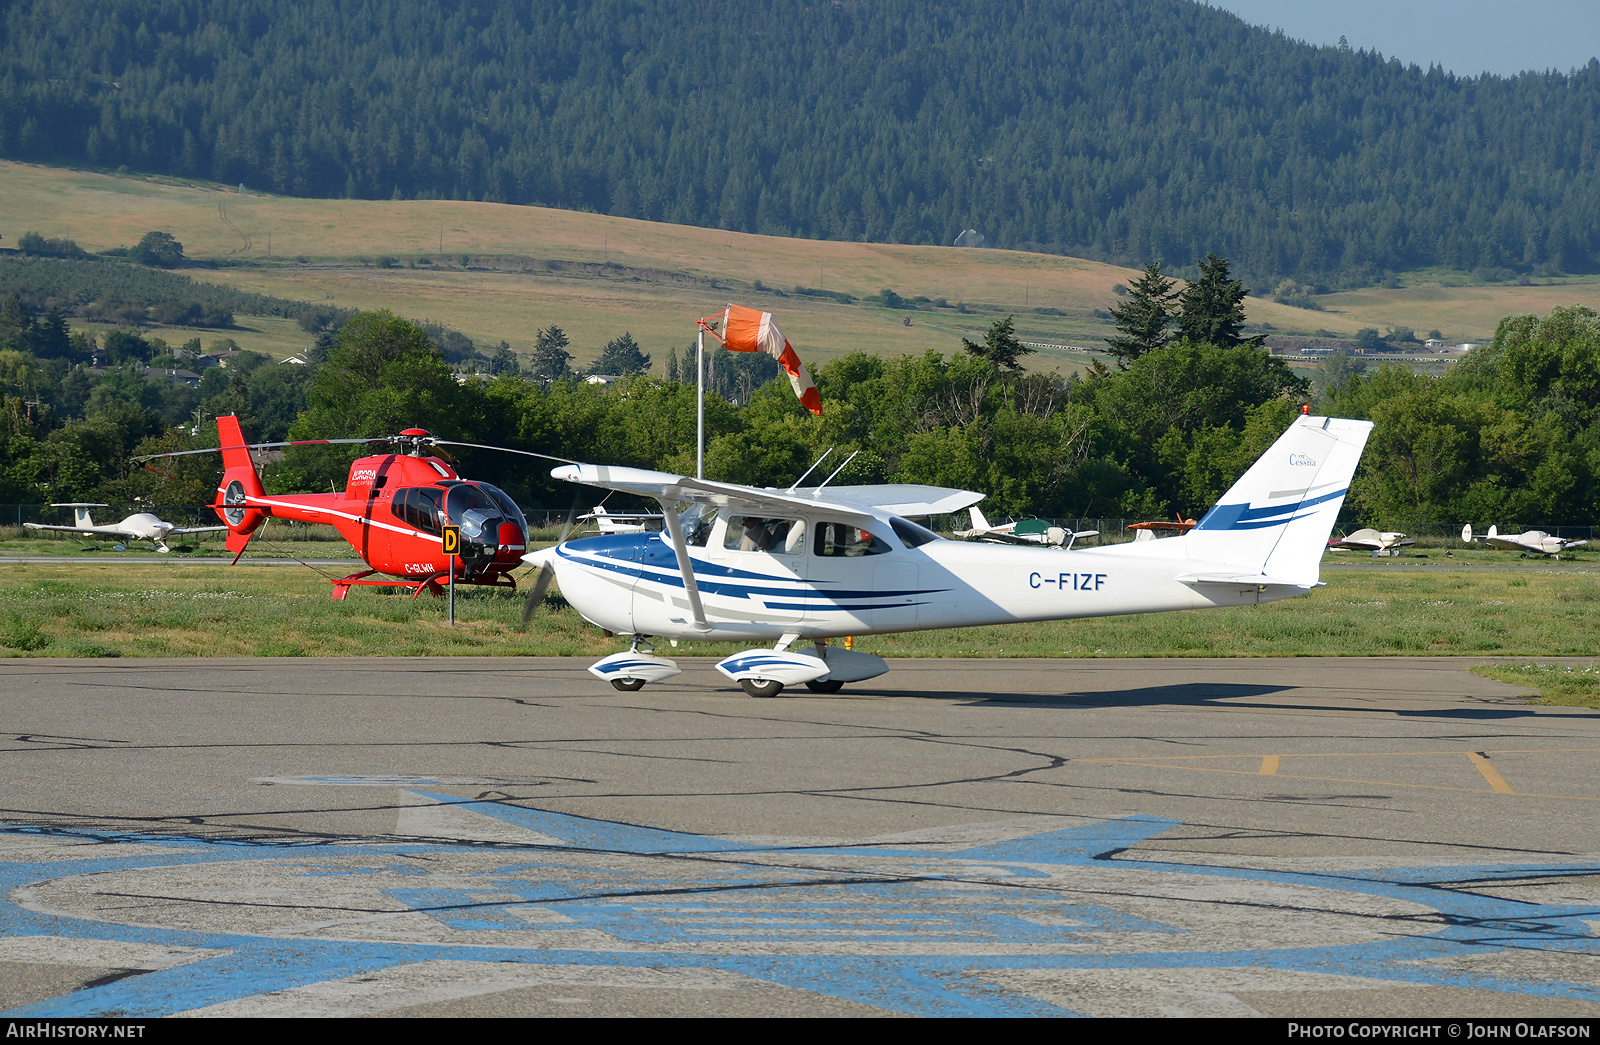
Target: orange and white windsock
column 747, row 330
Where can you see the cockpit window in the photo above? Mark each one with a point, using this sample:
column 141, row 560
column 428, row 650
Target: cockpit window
column 836, row 538
column 750, row 533
column 911, row 535
column 418, row 507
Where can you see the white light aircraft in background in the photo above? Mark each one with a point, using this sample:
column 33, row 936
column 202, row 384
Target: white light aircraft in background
column 1533, row 542
column 621, row 522
column 1028, row 531
column 796, row 568
column 141, row 526
column 1368, row 540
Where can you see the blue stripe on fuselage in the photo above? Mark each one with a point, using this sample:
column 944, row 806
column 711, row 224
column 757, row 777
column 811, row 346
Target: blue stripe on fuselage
column 632, row 555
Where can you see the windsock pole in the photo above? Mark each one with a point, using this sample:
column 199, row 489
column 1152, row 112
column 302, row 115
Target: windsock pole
column 700, row 411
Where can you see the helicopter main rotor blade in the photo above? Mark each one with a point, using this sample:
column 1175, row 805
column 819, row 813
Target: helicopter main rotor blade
column 260, row 446
column 502, row 449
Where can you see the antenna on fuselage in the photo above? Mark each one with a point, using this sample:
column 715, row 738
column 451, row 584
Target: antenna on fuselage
column 813, row 468
column 836, row 472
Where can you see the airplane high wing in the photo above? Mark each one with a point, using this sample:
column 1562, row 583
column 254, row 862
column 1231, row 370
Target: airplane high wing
column 141, row 526
column 1374, row 541
column 799, row 567
column 1531, row 542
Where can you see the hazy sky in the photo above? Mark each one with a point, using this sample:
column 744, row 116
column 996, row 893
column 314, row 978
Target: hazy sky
column 1467, row 37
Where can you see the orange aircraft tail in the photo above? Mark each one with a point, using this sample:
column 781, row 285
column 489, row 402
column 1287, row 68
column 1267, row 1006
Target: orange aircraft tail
column 239, row 483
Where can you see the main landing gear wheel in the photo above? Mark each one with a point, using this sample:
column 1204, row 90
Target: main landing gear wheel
column 761, row 689
column 825, row 686
column 628, row 685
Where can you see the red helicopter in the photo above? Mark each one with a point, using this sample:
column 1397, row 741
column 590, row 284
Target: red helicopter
column 393, row 511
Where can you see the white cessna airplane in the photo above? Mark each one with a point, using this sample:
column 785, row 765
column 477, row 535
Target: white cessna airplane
column 141, row 526
column 1533, row 542
column 797, row 568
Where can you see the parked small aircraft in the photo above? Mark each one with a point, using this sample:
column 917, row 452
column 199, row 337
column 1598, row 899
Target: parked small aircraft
column 140, row 526
column 808, row 565
column 621, row 522
column 1374, row 541
column 1027, row 531
column 1161, row 528
column 1531, row 542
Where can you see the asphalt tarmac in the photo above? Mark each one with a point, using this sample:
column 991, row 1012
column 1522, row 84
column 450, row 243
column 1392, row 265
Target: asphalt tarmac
column 1283, row 837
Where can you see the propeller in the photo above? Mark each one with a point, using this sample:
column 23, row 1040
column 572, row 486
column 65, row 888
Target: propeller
column 546, row 574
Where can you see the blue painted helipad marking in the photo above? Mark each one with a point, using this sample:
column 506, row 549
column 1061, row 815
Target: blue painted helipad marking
column 919, row 930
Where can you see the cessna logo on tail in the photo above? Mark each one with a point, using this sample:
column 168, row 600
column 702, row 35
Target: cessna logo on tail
column 1302, row 461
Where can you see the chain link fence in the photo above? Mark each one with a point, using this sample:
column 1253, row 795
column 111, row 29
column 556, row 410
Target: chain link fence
column 547, row 522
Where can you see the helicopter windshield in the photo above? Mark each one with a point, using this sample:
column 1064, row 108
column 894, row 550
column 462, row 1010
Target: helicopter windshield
column 508, row 507
column 474, row 511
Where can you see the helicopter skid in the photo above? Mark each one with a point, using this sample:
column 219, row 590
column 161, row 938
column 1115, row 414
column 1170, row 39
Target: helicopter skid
column 436, row 584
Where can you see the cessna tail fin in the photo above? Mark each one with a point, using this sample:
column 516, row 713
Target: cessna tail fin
column 239, row 481
column 1276, row 519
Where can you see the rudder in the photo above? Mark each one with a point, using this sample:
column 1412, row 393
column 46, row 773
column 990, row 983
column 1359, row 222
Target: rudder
column 1276, row 519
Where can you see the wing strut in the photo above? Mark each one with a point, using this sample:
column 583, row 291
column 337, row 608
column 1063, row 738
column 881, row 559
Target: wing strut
column 681, row 547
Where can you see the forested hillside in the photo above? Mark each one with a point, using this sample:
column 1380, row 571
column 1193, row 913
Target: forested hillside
column 1127, row 130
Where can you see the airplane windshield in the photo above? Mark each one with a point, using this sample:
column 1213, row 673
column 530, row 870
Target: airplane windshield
column 696, row 521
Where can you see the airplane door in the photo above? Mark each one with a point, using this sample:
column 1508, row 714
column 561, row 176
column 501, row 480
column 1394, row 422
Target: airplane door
column 855, row 574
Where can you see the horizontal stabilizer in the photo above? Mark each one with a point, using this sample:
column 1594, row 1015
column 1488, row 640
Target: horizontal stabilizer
column 1232, row 580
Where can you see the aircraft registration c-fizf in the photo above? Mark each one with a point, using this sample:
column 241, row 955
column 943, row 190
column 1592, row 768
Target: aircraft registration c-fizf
column 796, row 568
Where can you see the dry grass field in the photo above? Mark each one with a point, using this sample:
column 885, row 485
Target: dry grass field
column 596, row 276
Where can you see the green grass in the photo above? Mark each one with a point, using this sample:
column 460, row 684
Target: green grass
column 173, row 608
column 1569, row 685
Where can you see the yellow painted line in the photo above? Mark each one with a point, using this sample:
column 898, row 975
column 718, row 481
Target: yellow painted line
column 1269, row 765
column 1490, row 773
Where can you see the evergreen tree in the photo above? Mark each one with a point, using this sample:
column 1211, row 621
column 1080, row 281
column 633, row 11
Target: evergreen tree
column 622, row 357
column 551, row 360
column 1000, row 345
column 672, row 366
column 1144, row 318
column 504, row 361
column 1211, row 309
